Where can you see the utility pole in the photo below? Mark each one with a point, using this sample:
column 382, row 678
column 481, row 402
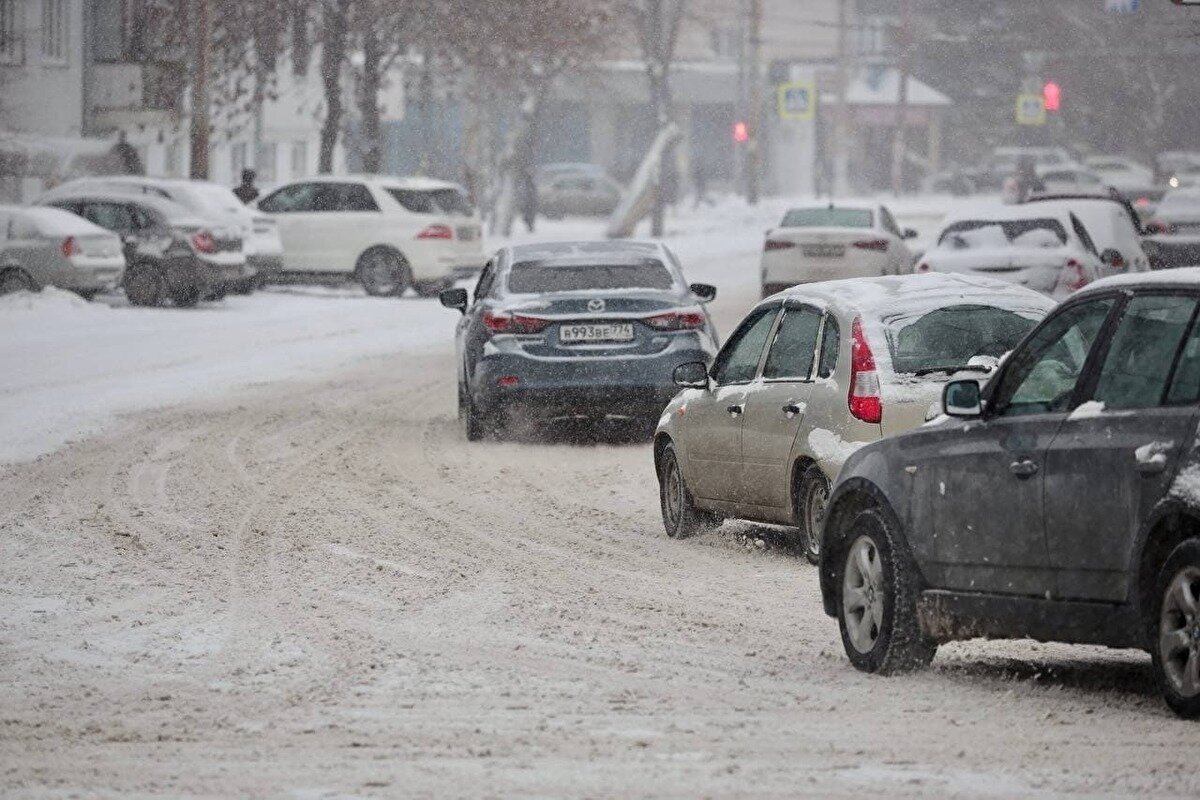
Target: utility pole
column 754, row 146
column 201, row 91
column 899, row 146
column 841, row 123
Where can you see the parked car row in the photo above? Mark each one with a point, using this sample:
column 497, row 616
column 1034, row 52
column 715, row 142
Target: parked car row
column 188, row 241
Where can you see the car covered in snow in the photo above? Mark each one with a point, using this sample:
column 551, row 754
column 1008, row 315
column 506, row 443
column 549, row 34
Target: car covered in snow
column 1047, row 249
column 1060, row 502
column 576, row 329
column 830, row 242
column 811, row 375
column 50, row 247
column 387, row 233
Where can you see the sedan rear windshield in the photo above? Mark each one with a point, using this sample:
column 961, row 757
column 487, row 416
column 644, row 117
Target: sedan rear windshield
column 535, row 277
column 949, row 337
column 991, row 233
column 828, row 218
column 432, row 201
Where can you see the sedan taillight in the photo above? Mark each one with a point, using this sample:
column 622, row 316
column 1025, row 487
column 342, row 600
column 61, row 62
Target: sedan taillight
column 203, row 242
column 676, row 321
column 436, row 232
column 501, row 322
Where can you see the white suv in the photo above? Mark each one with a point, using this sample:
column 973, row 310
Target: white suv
column 388, row 233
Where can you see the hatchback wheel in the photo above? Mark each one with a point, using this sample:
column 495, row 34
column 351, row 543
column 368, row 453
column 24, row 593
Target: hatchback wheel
column 878, row 600
column 812, row 496
column 1177, row 652
column 186, row 296
column 383, row 272
column 680, row 516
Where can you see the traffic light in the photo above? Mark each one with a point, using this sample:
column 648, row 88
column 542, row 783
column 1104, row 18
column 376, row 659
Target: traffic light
column 1052, row 96
column 741, row 132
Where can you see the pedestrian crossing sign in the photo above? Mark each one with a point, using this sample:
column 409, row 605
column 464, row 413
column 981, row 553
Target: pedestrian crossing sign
column 1031, row 109
column 797, row 100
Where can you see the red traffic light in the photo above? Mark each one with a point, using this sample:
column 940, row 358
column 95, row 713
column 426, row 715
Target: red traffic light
column 1052, row 96
column 741, row 132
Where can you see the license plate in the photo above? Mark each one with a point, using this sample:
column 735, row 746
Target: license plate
column 823, row 250
column 601, row 332
column 467, row 234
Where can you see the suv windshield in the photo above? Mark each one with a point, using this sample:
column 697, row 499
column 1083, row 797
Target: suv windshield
column 827, row 218
column 949, row 337
column 431, row 201
column 1017, row 232
column 536, row 277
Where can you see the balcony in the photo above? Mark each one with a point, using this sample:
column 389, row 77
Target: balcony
column 126, row 94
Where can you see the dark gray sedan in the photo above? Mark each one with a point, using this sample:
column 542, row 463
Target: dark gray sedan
column 576, row 329
column 1061, row 503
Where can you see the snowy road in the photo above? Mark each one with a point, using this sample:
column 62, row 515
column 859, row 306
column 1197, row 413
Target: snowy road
column 315, row 587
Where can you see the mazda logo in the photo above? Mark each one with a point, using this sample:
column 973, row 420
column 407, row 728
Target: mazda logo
column 596, row 305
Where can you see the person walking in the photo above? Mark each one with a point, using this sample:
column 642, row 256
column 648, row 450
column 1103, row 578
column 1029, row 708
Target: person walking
column 246, row 191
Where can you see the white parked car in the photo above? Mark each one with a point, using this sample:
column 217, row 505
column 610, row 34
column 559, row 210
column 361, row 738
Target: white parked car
column 261, row 245
column 1072, row 180
column 1123, row 174
column 810, row 376
column 1110, row 223
column 387, row 233
column 1044, row 248
column 50, row 247
column 830, row 242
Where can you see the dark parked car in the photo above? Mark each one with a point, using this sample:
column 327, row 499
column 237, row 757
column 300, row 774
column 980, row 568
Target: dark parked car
column 571, row 329
column 171, row 253
column 1061, row 503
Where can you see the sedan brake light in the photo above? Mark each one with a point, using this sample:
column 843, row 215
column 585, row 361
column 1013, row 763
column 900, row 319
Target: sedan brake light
column 502, row 322
column 875, row 245
column 778, row 244
column 1073, row 276
column 676, row 321
column 69, row 248
column 865, row 401
column 437, row 231
column 203, row 242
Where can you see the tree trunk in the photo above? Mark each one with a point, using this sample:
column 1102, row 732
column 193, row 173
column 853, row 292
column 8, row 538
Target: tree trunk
column 333, row 55
column 660, row 95
column 201, row 91
column 372, row 79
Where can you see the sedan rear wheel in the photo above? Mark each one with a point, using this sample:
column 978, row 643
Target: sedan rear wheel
column 383, row 272
column 1177, row 652
column 15, row 281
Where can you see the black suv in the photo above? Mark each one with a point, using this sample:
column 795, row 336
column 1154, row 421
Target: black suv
column 1060, row 503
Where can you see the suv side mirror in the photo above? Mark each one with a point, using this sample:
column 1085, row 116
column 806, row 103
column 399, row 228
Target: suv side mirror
column 692, row 375
column 910, row 233
column 1113, row 258
column 962, row 399
column 454, row 298
column 704, row 292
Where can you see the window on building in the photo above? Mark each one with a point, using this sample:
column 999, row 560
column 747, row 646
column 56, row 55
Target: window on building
column 237, row 159
column 55, row 31
column 12, row 29
column 299, row 160
column 264, row 162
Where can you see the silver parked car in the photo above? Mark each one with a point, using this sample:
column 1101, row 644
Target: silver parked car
column 48, row 247
column 811, row 375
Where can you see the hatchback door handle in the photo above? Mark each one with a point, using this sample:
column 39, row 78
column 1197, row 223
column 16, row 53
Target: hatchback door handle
column 1023, row 469
column 735, row 410
column 791, row 409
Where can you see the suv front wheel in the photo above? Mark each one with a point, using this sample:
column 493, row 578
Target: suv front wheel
column 1176, row 651
column 877, row 603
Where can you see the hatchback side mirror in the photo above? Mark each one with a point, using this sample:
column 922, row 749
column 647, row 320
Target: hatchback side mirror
column 454, row 298
column 705, row 292
column 962, row 399
column 692, row 375
column 910, row 233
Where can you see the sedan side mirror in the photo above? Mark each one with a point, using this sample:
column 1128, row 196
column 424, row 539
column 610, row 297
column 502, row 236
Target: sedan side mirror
column 705, row 292
column 910, row 233
column 962, row 399
column 692, row 375
column 1113, row 258
column 454, row 298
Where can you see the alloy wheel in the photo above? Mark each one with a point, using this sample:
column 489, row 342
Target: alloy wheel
column 1179, row 632
column 863, row 594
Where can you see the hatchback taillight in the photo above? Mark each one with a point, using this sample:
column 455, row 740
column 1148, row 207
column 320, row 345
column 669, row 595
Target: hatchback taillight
column 203, row 242
column 69, row 247
column 865, row 401
column 501, row 322
column 1073, row 276
column 436, row 232
column 676, row 321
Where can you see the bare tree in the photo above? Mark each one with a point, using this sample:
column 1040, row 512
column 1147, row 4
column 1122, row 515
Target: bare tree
column 335, row 43
column 385, row 30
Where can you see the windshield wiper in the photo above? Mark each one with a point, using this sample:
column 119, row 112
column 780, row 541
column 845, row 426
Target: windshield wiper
column 953, row 369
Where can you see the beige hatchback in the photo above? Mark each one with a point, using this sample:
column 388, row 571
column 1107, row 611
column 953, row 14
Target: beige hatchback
column 812, row 374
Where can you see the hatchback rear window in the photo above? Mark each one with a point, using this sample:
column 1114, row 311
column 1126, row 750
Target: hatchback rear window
column 432, row 201
column 535, row 277
column 828, row 218
column 992, row 233
column 949, row 337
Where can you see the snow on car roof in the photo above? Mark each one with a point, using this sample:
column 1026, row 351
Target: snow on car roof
column 174, row 212
column 586, row 249
column 1003, row 212
column 1181, row 276
column 893, row 294
column 413, row 182
column 55, row 221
